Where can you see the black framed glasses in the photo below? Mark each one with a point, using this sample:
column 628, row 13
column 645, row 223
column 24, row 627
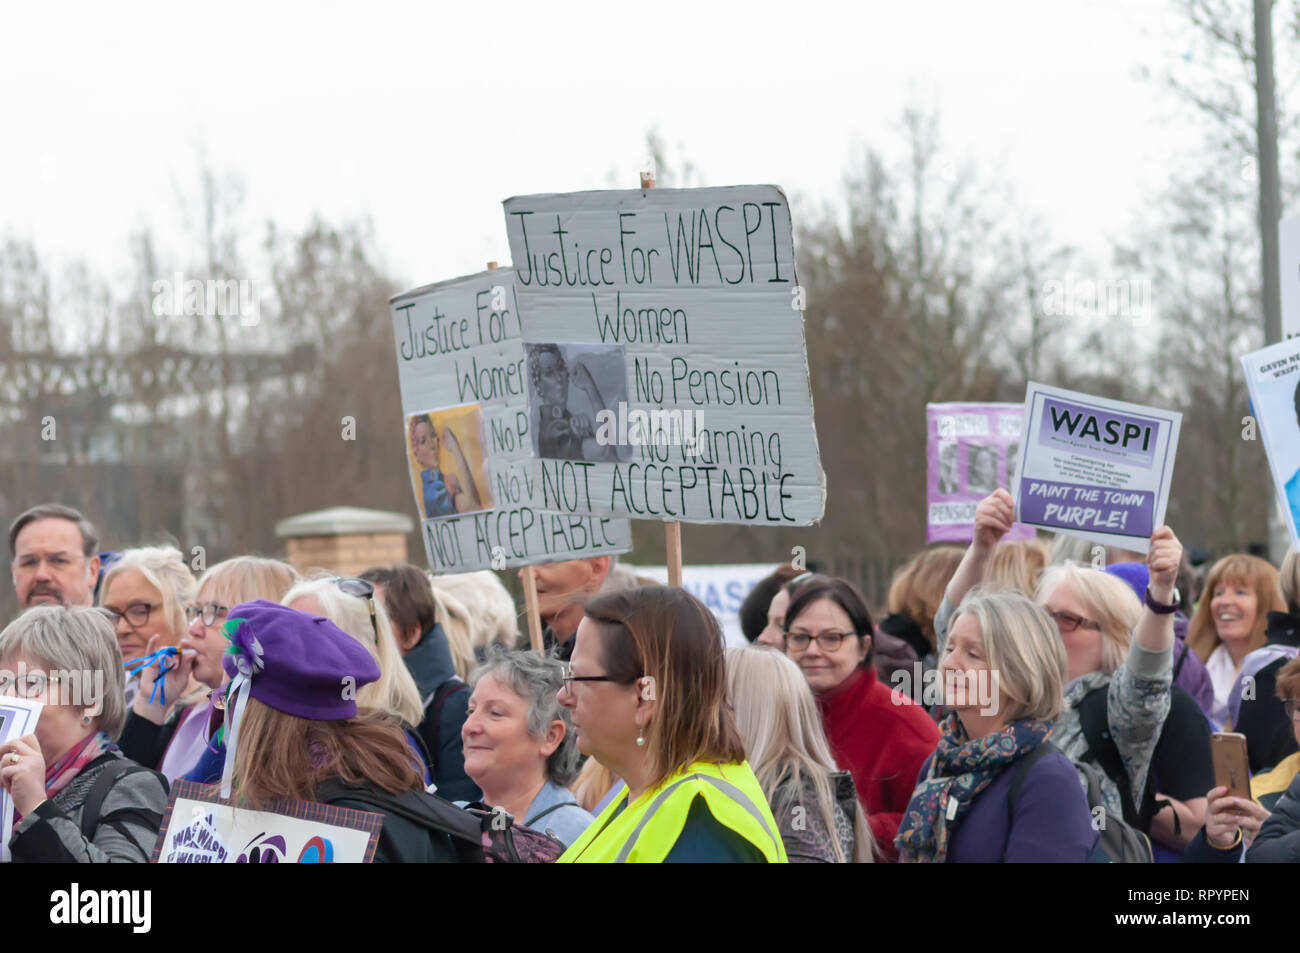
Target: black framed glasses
column 209, row 612
column 1069, row 622
column 362, row 589
column 827, row 641
column 136, row 614
column 569, row 678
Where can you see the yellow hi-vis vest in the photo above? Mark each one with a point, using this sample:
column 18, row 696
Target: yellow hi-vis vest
column 647, row 829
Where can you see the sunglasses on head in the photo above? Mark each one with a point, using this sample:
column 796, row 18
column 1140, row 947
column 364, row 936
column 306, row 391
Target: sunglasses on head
column 362, row 590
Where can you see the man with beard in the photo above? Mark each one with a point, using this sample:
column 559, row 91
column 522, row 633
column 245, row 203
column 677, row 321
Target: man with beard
column 54, row 560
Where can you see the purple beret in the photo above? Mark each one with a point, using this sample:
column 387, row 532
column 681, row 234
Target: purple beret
column 297, row 663
column 1136, row 575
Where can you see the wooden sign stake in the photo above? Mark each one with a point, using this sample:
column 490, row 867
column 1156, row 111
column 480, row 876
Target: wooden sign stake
column 673, row 529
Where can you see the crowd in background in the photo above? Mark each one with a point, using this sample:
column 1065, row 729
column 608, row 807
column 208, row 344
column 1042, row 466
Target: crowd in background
column 1014, row 701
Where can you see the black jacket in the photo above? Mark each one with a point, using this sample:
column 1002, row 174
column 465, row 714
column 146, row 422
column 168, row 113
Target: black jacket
column 1262, row 719
column 431, row 666
column 401, row 841
column 1278, row 840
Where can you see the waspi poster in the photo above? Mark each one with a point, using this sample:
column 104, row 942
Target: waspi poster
column 666, row 357
column 972, row 449
column 1273, row 376
column 1095, row 468
column 461, row 369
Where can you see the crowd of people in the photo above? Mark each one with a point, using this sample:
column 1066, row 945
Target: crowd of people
column 1015, row 701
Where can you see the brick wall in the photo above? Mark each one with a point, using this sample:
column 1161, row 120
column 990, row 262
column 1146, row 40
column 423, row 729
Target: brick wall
column 346, row 555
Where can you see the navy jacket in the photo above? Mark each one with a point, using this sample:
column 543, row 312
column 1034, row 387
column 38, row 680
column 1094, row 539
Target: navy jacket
column 430, row 665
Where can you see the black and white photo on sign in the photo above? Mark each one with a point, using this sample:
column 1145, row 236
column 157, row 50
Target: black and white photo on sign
column 981, row 468
column 1012, row 450
column 949, row 479
column 573, row 389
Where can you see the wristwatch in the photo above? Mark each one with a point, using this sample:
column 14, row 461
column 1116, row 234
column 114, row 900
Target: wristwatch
column 1159, row 608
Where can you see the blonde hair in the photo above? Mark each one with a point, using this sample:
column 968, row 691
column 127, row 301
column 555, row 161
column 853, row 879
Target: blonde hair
column 918, row 586
column 782, row 732
column 1017, row 564
column 1250, row 571
column 458, row 625
column 395, row 692
column 491, row 609
column 245, row 578
column 164, row 568
column 594, row 781
column 1071, row 549
column 1106, row 600
column 1024, row 649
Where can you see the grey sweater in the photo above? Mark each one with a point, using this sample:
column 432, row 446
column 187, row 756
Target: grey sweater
column 129, row 819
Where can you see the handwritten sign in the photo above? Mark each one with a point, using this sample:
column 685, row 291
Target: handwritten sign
column 1095, row 468
column 1273, row 377
column 686, row 302
column 972, row 450
column 462, row 374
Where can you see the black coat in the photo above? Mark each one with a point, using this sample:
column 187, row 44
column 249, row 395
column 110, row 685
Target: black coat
column 1278, row 840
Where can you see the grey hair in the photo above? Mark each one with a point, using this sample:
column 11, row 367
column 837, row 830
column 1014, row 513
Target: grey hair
column 79, row 642
column 45, row 511
column 536, row 679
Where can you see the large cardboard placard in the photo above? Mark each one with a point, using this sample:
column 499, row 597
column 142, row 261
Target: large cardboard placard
column 18, row 717
column 971, row 451
column 1095, row 468
column 666, row 356
column 461, row 369
column 201, row 828
column 1273, row 377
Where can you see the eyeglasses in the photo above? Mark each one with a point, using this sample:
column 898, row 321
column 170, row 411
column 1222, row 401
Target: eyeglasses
column 569, row 678
column 826, row 641
column 1069, row 622
column 26, row 685
column 136, row 614
column 209, row 612
column 362, row 589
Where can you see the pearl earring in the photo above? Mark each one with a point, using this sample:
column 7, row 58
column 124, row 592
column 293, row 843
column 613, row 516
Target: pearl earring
column 640, row 737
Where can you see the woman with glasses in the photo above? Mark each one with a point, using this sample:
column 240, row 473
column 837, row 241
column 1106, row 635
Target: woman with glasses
column 1269, row 737
column 1121, row 713
column 880, row 736
column 175, row 732
column 351, row 605
column 145, row 594
column 646, row 687
column 77, row 799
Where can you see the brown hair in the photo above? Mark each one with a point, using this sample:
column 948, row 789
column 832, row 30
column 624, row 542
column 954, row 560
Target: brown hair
column 1254, row 573
column 668, row 634
column 408, row 596
column 281, row 755
column 1016, row 564
column 918, row 586
column 1288, row 680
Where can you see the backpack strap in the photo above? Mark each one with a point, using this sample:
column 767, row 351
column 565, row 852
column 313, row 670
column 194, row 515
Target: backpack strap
column 433, row 720
column 1102, row 751
column 106, row 778
column 554, row 807
column 1022, row 771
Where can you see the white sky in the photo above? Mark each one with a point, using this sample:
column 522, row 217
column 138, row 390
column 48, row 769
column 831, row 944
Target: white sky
column 425, row 116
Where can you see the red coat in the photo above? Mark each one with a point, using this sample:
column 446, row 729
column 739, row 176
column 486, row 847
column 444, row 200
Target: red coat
column 882, row 738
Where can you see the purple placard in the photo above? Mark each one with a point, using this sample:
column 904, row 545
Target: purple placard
column 971, row 451
column 1100, row 434
column 1096, row 509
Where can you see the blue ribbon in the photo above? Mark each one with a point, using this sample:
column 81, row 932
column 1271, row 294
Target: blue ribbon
column 140, row 664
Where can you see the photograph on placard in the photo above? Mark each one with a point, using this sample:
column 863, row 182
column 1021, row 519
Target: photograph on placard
column 573, row 389
column 445, row 455
column 981, row 468
column 949, row 479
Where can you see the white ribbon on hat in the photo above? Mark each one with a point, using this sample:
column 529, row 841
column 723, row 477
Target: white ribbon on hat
column 240, row 687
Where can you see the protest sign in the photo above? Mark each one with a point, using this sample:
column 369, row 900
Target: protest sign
column 469, row 438
column 201, row 828
column 1273, row 377
column 971, row 451
column 666, row 362
column 18, row 717
column 721, row 588
column 1095, row 468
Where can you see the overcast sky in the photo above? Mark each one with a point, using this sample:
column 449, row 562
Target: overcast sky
column 425, row 116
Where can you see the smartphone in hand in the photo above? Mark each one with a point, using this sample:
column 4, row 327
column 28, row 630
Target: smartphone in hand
column 1231, row 764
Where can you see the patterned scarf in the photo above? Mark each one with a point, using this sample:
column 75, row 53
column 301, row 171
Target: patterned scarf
column 58, row 774
column 960, row 770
